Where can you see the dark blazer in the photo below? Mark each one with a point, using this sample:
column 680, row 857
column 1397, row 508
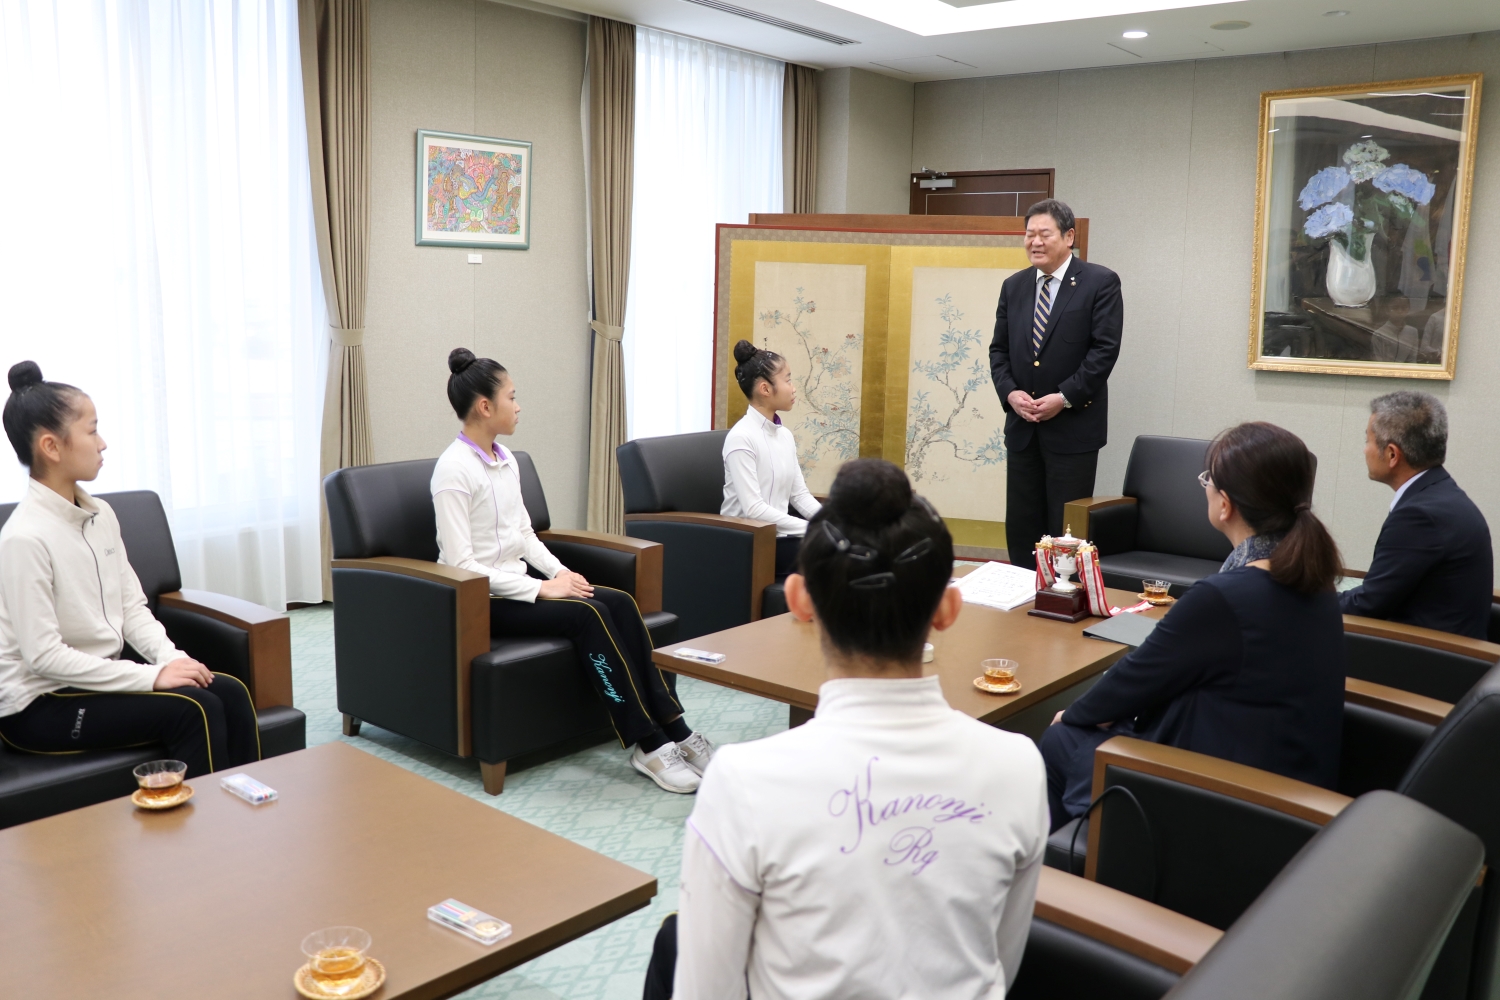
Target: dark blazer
column 1241, row 668
column 1078, row 353
column 1433, row 564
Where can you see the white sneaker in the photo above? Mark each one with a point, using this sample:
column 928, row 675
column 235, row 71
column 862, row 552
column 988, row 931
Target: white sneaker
column 696, row 752
column 665, row 766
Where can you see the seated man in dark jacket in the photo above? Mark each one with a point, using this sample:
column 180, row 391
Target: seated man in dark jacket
column 1433, row 564
column 1249, row 665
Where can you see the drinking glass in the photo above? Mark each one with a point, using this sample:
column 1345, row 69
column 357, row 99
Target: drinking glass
column 1156, row 590
column 999, row 671
column 160, row 779
column 336, row 958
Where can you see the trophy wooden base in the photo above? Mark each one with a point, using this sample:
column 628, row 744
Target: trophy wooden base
column 1061, row 606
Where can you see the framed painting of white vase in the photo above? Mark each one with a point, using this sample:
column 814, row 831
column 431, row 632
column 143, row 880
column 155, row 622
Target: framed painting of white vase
column 1361, row 220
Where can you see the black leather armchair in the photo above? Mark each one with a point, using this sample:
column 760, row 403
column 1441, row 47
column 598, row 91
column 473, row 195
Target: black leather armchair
column 1362, row 912
column 1203, row 836
column 1425, row 661
column 230, row 635
column 412, row 637
column 719, row 571
column 1159, row 529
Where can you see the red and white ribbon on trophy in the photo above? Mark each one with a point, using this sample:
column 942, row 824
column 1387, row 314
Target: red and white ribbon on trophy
column 1093, row 580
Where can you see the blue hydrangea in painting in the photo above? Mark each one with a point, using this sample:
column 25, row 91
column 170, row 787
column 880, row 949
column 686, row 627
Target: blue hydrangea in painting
column 1403, row 180
column 1328, row 220
column 1324, row 186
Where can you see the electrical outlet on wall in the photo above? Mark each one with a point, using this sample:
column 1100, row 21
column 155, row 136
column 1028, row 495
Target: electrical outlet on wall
column 476, row 258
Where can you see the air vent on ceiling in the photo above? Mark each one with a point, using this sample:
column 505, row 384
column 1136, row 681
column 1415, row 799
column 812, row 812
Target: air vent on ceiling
column 775, row 22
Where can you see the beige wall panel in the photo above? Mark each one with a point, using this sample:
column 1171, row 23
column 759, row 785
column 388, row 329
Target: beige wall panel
column 1162, row 160
column 477, row 67
column 880, row 111
column 833, row 141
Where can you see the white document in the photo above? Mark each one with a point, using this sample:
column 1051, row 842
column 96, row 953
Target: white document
column 999, row 585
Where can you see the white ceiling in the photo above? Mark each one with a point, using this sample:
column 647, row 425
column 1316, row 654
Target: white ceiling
column 1275, row 26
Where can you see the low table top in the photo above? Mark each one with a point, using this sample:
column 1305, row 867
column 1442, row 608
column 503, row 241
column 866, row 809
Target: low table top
column 779, row 658
column 212, row 899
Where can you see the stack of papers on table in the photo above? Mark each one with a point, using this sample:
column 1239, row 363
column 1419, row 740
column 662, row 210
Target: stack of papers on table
column 999, row 585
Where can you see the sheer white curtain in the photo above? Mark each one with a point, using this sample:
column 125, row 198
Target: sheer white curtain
column 159, row 254
column 707, row 150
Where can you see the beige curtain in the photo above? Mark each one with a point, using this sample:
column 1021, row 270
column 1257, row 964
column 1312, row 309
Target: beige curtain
column 611, row 83
column 335, row 36
column 799, row 138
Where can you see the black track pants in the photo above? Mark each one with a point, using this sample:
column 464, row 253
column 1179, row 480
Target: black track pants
column 206, row 728
column 614, row 650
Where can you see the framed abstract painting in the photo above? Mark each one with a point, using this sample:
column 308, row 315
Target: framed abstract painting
column 473, row 191
column 1361, row 225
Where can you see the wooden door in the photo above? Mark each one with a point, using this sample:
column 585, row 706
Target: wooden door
column 979, row 192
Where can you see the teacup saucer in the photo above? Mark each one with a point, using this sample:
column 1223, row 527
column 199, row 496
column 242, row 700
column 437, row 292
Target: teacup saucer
column 988, row 687
column 1158, row 602
column 370, row 980
column 184, row 793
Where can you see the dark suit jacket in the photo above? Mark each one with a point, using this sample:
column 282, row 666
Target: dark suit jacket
column 1078, row 353
column 1242, row 668
column 1433, row 563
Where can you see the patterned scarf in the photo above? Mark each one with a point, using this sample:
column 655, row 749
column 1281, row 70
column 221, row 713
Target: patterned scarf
column 1253, row 548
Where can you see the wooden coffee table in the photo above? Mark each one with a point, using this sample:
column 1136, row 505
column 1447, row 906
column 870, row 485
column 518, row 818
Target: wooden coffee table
column 779, row 658
column 213, row 899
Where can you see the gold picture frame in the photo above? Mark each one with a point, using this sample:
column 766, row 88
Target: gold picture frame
column 1361, row 225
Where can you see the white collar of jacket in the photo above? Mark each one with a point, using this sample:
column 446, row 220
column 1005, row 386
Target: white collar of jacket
column 53, row 503
column 769, row 426
column 899, row 700
column 505, row 457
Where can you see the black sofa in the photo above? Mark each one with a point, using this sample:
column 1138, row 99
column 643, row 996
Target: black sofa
column 230, row 635
column 1204, row 836
column 720, row 571
column 412, row 639
column 1159, row 529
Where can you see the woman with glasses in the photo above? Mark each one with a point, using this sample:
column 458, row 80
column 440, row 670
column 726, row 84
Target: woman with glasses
column 1249, row 664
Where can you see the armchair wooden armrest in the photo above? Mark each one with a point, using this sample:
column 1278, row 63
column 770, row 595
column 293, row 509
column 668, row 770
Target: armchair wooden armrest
column 648, row 559
column 1076, row 512
column 1154, row 933
column 1431, row 638
column 762, row 551
column 270, row 639
column 1196, row 770
column 472, row 624
column 1351, row 574
column 1395, row 701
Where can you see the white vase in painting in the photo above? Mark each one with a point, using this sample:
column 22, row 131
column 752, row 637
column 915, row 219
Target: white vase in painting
column 1350, row 282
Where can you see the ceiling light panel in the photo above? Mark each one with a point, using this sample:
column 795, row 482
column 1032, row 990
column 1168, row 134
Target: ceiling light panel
column 934, row 17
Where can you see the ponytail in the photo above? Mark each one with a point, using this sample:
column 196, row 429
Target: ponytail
column 1268, row 473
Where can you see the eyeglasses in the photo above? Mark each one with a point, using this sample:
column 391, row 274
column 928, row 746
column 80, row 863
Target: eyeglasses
column 1204, row 480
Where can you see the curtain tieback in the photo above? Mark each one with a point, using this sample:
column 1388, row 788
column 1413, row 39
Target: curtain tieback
column 607, row 331
column 347, row 338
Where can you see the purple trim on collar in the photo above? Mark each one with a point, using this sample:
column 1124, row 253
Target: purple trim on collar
column 498, row 454
column 776, row 419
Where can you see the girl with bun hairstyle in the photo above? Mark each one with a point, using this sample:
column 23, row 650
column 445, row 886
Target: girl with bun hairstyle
column 84, row 665
column 1249, row 664
column 483, row 526
column 890, row 846
column 762, row 477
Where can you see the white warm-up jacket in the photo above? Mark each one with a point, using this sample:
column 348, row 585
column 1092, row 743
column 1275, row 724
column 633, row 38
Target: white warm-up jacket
column 69, row 602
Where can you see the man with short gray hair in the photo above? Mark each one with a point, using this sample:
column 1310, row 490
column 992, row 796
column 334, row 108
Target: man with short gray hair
column 1433, row 563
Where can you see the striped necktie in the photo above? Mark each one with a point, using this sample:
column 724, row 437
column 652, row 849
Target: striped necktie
column 1043, row 310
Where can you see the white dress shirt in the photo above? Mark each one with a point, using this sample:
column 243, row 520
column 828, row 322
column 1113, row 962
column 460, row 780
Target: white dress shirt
column 69, row 601
column 889, row 847
column 1054, row 283
column 1401, row 490
column 482, row 523
column 762, row 478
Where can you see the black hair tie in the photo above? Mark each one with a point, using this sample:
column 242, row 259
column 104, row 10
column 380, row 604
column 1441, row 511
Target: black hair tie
column 1302, row 508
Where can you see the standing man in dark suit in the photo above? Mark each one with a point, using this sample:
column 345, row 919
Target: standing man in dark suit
column 1433, row 564
column 1057, row 335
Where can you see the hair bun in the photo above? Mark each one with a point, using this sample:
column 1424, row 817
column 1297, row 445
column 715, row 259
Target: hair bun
column 459, row 358
column 744, row 351
column 870, row 493
column 24, row 373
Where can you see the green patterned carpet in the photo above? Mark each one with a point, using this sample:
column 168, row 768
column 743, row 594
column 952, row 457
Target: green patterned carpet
column 593, row 798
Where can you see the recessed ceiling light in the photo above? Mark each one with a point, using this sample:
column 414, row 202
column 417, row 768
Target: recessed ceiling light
column 1335, row 13
column 935, row 17
column 1230, row 25
column 1134, row 34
